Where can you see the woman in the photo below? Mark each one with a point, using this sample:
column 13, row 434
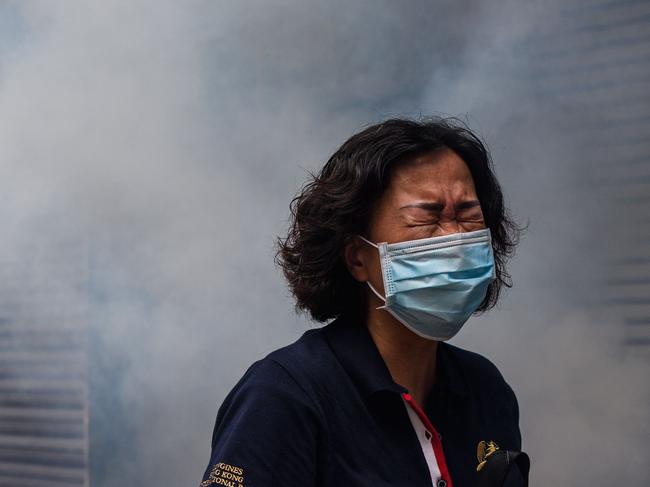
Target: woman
column 400, row 238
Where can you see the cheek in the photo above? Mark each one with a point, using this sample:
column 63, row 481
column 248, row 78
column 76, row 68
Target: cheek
column 375, row 274
column 374, row 265
column 470, row 226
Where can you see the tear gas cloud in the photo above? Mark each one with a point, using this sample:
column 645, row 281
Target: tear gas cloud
column 152, row 148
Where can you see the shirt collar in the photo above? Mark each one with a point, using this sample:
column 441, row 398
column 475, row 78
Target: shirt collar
column 356, row 350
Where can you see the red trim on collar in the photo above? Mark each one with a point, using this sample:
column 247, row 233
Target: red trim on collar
column 436, row 441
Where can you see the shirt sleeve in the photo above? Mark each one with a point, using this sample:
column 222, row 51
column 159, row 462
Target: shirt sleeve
column 266, row 432
column 498, row 402
column 514, row 408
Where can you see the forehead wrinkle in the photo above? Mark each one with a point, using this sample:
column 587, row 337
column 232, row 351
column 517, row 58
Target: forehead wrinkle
column 459, row 194
column 409, row 185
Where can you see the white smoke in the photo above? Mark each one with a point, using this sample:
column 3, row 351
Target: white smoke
column 168, row 138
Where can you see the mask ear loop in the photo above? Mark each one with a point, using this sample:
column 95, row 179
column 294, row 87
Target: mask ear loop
column 368, row 282
column 368, row 241
column 378, row 295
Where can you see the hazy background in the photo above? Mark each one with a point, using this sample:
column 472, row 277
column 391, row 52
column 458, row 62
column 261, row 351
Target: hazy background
column 149, row 151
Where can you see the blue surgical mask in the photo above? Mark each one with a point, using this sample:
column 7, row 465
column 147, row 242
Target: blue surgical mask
column 433, row 285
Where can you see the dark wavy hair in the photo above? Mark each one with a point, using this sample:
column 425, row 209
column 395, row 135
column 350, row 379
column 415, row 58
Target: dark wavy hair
column 338, row 203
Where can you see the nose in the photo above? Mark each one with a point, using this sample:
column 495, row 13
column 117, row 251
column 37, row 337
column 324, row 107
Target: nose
column 448, row 227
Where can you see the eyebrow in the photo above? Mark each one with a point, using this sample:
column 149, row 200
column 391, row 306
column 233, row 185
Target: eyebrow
column 437, row 206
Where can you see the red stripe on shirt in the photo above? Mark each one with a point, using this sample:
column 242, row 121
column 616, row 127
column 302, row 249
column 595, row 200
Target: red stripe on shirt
column 435, row 438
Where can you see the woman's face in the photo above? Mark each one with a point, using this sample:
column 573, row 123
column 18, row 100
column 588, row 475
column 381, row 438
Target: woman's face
column 429, row 196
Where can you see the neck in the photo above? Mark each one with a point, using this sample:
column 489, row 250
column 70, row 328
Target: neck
column 410, row 358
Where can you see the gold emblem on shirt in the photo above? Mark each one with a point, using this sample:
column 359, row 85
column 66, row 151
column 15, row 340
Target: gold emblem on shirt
column 483, row 451
column 224, row 474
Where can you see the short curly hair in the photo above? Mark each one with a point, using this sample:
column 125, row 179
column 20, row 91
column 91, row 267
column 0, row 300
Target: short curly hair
column 337, row 204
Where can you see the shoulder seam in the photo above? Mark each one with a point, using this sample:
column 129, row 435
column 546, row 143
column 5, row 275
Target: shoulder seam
column 293, row 378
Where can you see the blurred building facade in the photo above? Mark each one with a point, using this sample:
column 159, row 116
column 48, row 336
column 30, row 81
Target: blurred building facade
column 592, row 65
column 44, row 413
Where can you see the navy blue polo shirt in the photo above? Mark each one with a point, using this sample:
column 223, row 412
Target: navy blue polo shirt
column 325, row 411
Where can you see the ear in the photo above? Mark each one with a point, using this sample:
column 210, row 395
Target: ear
column 355, row 255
